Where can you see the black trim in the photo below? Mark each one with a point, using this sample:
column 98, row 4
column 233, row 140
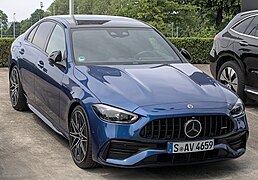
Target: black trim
column 122, row 149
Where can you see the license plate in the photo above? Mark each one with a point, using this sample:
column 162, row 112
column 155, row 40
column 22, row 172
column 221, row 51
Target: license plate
column 193, row 146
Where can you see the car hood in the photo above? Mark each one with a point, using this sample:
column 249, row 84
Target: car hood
column 133, row 86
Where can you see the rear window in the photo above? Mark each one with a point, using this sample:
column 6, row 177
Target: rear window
column 42, row 34
column 31, row 34
column 252, row 28
column 242, row 26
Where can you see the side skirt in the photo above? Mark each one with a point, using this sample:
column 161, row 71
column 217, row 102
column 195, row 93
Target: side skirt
column 45, row 120
column 251, row 92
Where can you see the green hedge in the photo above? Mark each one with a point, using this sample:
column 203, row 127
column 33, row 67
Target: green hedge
column 199, row 48
column 5, row 45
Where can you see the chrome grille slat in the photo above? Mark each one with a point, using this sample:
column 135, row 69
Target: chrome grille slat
column 166, row 131
column 173, row 128
column 152, row 129
column 159, row 129
column 216, row 122
column 210, row 132
column 205, row 126
column 221, row 124
column 179, row 129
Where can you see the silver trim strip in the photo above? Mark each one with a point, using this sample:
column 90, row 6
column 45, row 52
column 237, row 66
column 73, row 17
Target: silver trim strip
column 254, row 71
column 243, row 20
column 251, row 91
column 246, row 35
column 43, row 118
column 242, row 34
column 249, row 12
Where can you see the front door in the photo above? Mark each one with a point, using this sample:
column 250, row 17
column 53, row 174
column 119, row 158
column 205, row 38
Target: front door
column 48, row 83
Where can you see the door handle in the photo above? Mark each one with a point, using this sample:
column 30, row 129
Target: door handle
column 40, row 64
column 21, row 51
column 243, row 43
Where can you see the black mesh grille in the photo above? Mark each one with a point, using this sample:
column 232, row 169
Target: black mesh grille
column 124, row 149
column 173, row 128
column 235, row 142
column 177, row 159
column 188, row 157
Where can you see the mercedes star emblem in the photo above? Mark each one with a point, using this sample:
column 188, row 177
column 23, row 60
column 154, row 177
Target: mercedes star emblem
column 189, row 106
column 193, row 128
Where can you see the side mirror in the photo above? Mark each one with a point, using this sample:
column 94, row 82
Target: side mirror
column 186, row 54
column 55, row 57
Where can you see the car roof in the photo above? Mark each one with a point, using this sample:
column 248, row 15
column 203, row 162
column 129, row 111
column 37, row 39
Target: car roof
column 241, row 16
column 247, row 13
column 77, row 21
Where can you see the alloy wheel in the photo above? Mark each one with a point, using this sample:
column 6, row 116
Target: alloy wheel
column 14, row 86
column 229, row 78
column 78, row 136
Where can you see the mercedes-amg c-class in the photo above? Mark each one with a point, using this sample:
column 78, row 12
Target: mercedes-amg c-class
column 123, row 94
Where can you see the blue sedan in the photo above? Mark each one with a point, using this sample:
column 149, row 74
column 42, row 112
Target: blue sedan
column 123, row 94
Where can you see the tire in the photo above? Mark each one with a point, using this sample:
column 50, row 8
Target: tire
column 80, row 141
column 17, row 97
column 231, row 75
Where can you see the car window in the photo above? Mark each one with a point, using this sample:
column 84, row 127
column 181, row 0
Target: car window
column 252, row 28
column 31, row 34
column 156, row 46
column 42, row 34
column 121, row 45
column 56, row 41
column 254, row 32
column 241, row 27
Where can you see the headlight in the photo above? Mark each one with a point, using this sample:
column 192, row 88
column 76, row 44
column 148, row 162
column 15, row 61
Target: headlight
column 238, row 109
column 115, row 115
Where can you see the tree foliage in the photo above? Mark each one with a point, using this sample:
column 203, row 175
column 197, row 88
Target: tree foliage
column 34, row 17
column 216, row 12
column 164, row 15
column 183, row 18
column 3, row 18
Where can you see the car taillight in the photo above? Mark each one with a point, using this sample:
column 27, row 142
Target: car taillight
column 216, row 38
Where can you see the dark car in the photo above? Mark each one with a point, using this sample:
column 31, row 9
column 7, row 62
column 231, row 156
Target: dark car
column 123, row 95
column 234, row 55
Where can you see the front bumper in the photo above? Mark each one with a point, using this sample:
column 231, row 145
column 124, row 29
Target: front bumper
column 122, row 145
column 134, row 154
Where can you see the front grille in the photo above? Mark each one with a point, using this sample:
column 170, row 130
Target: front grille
column 173, row 128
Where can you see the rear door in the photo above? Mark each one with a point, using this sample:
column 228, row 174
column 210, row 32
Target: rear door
column 28, row 55
column 247, row 48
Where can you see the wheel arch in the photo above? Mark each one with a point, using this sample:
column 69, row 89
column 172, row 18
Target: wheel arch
column 11, row 65
column 75, row 102
column 225, row 57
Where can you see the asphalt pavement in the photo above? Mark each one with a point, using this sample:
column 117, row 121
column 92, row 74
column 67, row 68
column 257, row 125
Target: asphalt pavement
column 29, row 149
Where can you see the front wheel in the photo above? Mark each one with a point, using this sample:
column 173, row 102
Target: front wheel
column 231, row 76
column 80, row 139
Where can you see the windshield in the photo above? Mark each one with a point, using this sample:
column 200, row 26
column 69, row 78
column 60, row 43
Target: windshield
column 121, row 46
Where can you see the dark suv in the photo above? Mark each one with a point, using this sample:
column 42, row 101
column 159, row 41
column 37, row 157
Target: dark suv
column 234, row 55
